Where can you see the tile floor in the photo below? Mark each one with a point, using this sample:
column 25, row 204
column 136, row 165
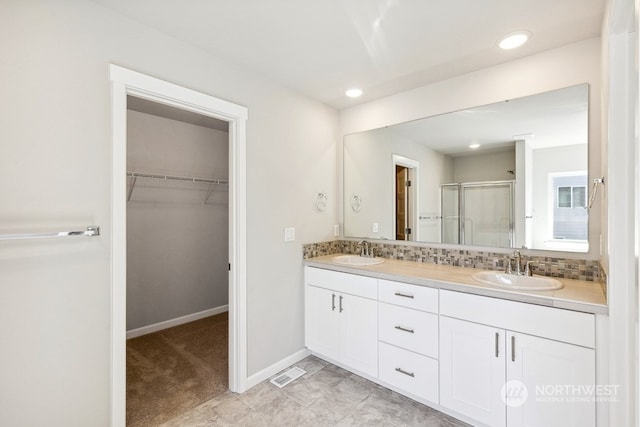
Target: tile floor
column 325, row 396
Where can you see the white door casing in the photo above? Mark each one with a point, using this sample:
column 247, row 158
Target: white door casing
column 125, row 82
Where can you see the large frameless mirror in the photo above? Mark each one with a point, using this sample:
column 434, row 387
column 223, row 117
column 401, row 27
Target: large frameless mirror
column 508, row 175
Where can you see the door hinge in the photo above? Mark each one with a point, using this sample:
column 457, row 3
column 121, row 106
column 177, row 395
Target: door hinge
column 407, row 231
column 407, row 184
column 229, row 266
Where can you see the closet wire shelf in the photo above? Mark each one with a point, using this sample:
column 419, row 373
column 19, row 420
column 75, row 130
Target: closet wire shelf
column 212, row 182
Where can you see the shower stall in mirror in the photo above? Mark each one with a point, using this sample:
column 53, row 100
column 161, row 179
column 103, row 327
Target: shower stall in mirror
column 478, row 213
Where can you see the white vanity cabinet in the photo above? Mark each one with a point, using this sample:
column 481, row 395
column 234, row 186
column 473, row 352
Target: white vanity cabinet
column 486, row 343
column 408, row 335
column 341, row 318
column 457, row 350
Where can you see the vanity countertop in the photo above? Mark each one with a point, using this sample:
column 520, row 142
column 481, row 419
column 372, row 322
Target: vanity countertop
column 577, row 295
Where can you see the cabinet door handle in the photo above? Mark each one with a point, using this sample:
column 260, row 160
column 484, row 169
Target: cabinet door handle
column 497, row 344
column 341, row 304
column 400, row 294
column 400, row 328
column 513, row 348
column 333, row 302
column 402, row 371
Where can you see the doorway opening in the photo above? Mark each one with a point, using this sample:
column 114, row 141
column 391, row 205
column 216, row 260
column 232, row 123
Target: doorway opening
column 127, row 83
column 177, row 268
column 405, row 199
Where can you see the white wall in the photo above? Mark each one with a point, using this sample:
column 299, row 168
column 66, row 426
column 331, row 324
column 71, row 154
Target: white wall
column 554, row 69
column 371, row 176
column 177, row 246
column 55, row 171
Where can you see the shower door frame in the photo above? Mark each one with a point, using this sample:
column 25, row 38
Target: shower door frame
column 462, row 208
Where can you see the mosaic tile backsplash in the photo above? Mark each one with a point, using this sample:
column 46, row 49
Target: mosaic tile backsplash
column 567, row 268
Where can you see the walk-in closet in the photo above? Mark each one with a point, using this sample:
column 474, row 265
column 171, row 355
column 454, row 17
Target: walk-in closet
column 177, row 260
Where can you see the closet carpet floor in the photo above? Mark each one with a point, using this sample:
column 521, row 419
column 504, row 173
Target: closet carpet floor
column 176, row 369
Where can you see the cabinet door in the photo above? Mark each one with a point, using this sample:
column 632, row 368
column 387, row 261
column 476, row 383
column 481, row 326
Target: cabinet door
column 322, row 322
column 472, row 370
column 559, row 379
column 359, row 333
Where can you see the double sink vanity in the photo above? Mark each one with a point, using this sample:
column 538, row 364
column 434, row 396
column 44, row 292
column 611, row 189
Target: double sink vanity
column 463, row 341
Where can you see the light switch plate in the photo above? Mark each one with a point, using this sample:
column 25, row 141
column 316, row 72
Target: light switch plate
column 289, row 234
column 375, row 227
column 336, row 230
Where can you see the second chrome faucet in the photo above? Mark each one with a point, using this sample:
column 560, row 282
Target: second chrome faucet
column 518, row 265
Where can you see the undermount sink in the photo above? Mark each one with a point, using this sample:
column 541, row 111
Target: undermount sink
column 357, row 260
column 514, row 281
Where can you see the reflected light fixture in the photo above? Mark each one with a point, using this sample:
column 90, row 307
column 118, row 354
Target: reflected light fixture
column 353, row 92
column 515, row 39
column 474, row 146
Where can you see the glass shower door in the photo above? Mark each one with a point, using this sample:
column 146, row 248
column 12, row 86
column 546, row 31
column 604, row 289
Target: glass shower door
column 487, row 214
column 450, row 213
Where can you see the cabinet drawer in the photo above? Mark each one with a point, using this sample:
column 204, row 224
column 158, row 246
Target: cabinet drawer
column 410, row 329
column 406, row 295
column 562, row 325
column 409, row 371
column 342, row 282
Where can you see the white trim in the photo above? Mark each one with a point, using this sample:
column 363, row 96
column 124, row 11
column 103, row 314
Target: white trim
column 126, row 82
column 619, row 196
column 166, row 324
column 270, row 371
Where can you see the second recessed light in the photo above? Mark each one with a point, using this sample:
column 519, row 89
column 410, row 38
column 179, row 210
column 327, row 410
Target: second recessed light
column 515, row 39
column 353, row 92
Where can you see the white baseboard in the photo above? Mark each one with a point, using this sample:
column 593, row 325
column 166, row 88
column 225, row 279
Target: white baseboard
column 270, row 371
column 175, row 322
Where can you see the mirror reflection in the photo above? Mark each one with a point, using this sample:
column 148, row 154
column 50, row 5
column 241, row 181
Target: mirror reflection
column 509, row 175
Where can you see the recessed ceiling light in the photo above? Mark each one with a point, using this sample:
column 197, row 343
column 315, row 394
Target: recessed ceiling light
column 515, row 39
column 474, row 146
column 353, row 93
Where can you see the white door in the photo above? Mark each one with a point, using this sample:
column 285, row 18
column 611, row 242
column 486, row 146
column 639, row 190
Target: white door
column 359, row 333
column 559, row 379
column 322, row 322
column 472, row 370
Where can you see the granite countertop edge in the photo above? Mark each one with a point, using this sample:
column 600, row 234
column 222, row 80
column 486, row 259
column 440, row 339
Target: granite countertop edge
column 585, row 296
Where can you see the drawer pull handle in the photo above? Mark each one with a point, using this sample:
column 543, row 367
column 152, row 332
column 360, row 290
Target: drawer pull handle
column 341, row 309
column 400, row 294
column 402, row 371
column 497, row 345
column 333, row 302
column 400, row 328
column 513, row 348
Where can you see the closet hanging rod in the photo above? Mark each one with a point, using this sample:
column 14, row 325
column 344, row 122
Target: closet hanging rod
column 176, row 178
column 91, row 231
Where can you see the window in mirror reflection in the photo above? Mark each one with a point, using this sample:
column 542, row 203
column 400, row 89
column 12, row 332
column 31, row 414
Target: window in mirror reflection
column 569, row 191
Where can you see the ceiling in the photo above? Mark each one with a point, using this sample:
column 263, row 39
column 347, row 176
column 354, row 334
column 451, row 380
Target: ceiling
column 549, row 119
column 168, row 112
column 322, row 47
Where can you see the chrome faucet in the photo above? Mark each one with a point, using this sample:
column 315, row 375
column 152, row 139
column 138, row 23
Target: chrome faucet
column 364, row 248
column 518, row 260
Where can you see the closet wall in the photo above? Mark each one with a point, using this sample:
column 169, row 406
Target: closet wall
column 177, row 246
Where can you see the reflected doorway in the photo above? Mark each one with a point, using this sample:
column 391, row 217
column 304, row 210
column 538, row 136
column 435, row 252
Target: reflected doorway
column 405, row 198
